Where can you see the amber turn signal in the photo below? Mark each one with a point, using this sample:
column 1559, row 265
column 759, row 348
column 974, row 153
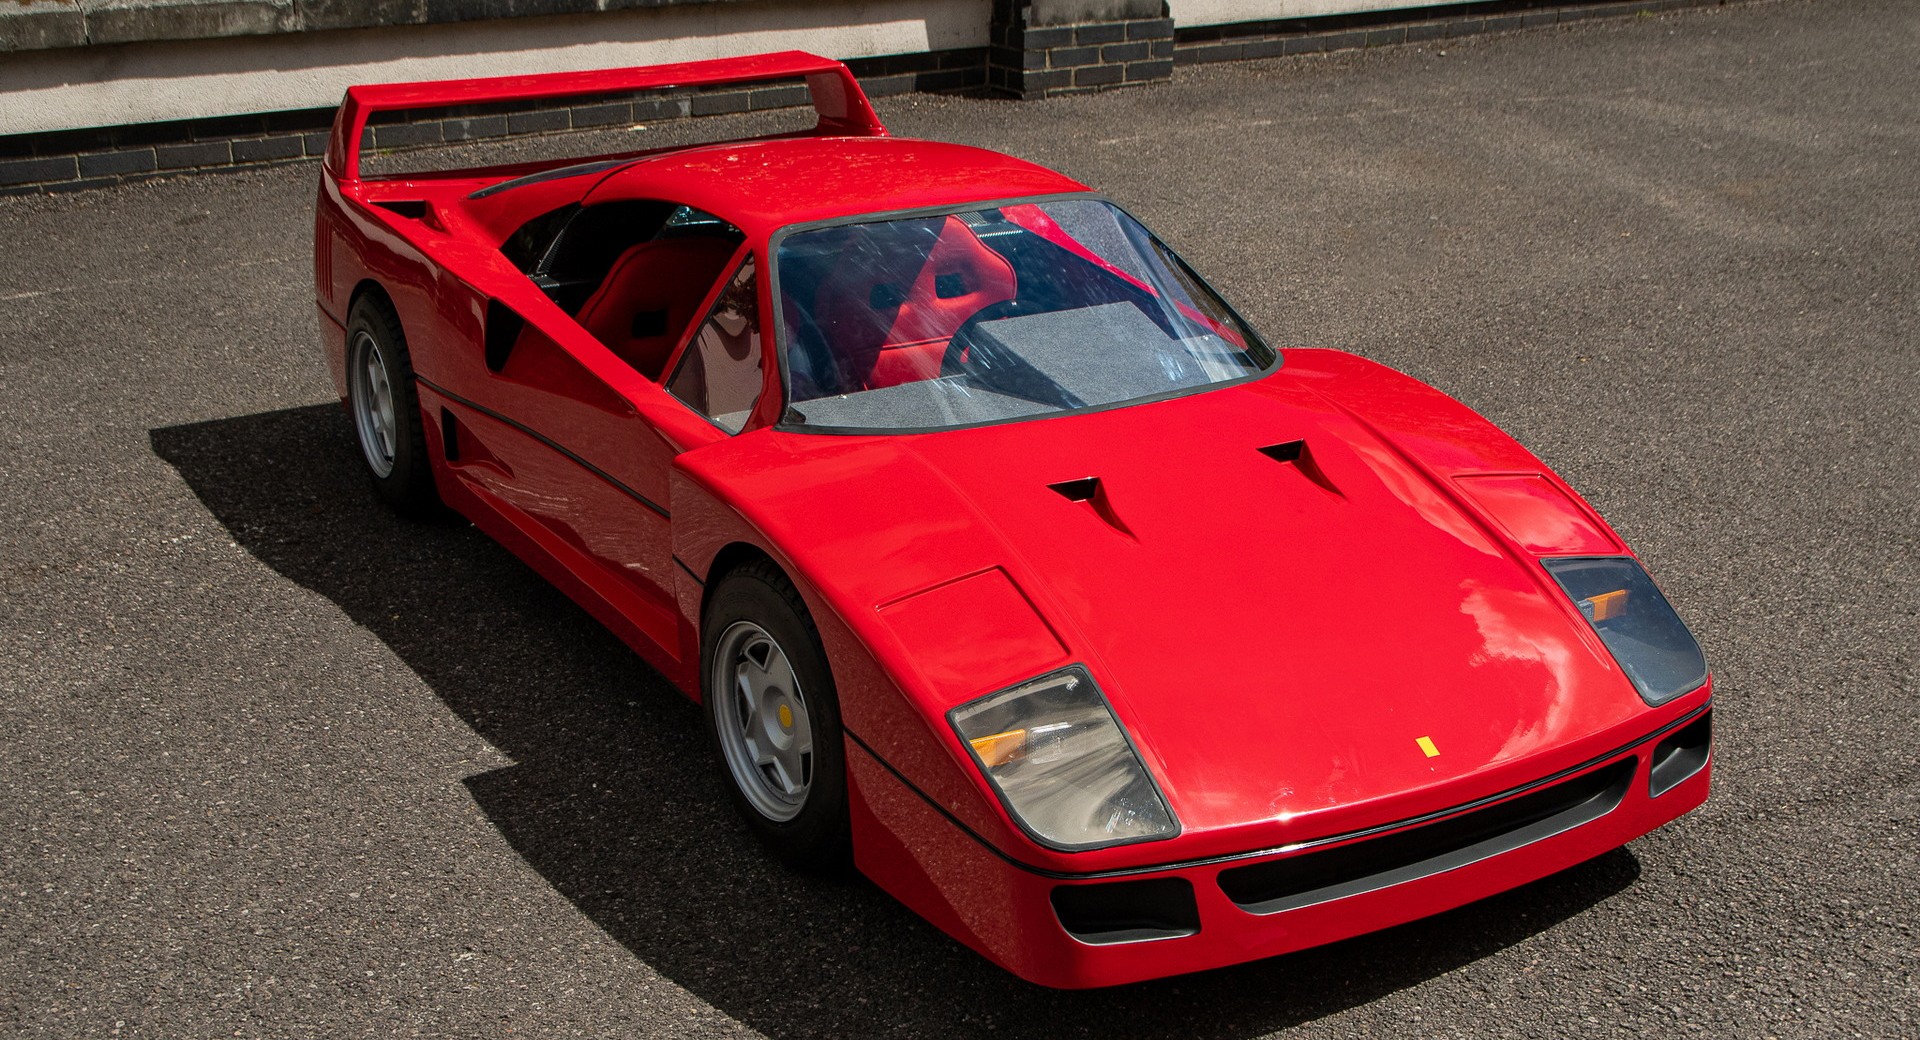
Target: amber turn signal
column 997, row 749
column 1607, row 605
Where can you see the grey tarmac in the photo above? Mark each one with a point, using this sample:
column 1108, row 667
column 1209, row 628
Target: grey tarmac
column 274, row 763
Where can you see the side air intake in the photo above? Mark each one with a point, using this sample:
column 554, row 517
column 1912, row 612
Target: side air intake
column 503, row 331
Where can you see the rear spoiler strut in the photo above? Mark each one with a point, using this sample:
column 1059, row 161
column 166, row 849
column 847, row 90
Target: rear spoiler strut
column 837, row 97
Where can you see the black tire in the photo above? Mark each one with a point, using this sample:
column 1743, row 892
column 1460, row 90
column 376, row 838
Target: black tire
column 406, row 484
column 817, row 837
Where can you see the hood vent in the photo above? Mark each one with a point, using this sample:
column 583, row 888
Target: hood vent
column 1091, row 491
column 1288, row 451
column 1297, row 455
column 1077, row 490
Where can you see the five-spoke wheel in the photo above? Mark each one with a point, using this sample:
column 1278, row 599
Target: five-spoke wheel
column 761, row 721
column 370, row 395
column 771, row 707
column 386, row 409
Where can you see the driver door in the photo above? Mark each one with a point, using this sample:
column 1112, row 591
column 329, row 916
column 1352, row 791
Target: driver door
column 575, row 448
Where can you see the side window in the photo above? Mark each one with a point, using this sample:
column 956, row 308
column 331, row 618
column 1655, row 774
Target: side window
column 576, row 255
column 719, row 374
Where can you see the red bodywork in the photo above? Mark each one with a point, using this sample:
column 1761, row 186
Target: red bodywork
column 1280, row 641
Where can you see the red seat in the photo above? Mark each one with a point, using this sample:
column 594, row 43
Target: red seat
column 887, row 312
column 649, row 297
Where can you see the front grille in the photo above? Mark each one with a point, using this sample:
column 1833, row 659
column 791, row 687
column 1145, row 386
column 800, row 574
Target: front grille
column 1433, row 848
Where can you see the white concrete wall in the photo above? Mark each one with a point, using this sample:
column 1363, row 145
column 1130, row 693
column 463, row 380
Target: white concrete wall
column 1188, row 13
column 134, row 83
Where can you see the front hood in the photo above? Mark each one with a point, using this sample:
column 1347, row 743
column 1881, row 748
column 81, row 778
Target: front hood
column 1281, row 635
column 1298, row 646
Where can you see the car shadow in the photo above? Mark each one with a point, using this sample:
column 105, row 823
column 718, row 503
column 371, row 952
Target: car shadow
column 613, row 799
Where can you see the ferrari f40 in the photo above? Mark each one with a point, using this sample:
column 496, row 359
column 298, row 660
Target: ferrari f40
column 1010, row 563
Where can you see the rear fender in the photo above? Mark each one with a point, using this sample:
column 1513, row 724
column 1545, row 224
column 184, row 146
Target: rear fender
column 352, row 248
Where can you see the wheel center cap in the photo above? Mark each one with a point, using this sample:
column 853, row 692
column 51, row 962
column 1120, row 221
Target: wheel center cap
column 786, row 717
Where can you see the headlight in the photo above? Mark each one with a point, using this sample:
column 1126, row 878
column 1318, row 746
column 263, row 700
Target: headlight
column 1636, row 622
column 1061, row 763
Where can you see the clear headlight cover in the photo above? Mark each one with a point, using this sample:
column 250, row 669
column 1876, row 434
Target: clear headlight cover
column 1061, row 763
column 1635, row 621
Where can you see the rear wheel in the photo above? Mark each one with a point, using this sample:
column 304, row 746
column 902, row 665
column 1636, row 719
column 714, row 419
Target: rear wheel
column 775, row 719
column 386, row 410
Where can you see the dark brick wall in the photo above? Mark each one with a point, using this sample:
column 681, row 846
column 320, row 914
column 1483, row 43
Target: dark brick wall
column 78, row 159
column 1023, row 61
column 74, row 159
column 1034, row 61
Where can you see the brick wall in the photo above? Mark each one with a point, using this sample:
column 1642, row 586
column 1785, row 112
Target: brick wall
column 1025, row 59
column 1032, row 61
column 80, row 159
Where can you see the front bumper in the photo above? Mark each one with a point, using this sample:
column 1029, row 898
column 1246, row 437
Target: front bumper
column 1079, row 931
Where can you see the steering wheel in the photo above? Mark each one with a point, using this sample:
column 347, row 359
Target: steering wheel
column 808, row 353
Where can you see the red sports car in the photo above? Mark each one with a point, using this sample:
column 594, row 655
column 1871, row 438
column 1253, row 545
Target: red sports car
column 1007, row 559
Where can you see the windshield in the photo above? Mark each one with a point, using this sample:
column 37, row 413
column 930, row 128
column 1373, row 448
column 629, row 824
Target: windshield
column 997, row 313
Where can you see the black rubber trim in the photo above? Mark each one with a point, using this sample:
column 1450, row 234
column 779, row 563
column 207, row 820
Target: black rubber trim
column 549, row 442
column 688, row 571
column 1234, row 857
column 556, row 174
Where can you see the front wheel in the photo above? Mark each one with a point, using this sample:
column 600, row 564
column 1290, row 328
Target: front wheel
column 774, row 717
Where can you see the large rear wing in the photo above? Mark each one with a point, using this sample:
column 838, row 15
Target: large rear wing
column 842, row 106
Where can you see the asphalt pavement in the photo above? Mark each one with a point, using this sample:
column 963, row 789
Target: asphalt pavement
column 273, row 763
